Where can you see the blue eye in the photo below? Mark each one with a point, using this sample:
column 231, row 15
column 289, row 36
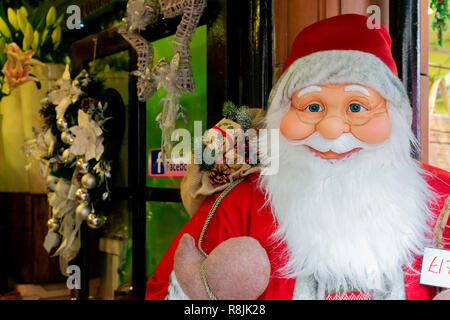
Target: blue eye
column 313, row 108
column 354, row 107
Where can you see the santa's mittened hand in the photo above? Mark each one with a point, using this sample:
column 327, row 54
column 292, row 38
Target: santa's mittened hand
column 444, row 295
column 238, row 269
column 186, row 265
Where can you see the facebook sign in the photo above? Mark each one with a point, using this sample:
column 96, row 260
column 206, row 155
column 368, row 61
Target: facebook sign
column 158, row 168
column 157, row 162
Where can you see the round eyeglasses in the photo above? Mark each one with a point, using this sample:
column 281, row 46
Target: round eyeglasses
column 355, row 114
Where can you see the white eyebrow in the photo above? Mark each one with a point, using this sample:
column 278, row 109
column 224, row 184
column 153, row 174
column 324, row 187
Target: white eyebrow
column 355, row 87
column 309, row 90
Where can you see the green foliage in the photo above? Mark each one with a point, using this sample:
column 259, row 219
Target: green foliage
column 240, row 115
column 229, row 109
column 39, row 30
column 441, row 15
column 243, row 117
column 18, row 3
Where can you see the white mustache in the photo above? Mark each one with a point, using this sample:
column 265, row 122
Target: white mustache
column 345, row 143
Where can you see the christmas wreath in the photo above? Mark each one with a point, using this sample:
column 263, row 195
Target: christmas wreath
column 83, row 127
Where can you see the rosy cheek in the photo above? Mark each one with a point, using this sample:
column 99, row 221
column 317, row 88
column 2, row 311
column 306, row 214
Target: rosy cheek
column 378, row 130
column 293, row 129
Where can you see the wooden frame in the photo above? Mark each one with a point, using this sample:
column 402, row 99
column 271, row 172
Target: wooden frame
column 424, row 82
column 292, row 16
column 406, row 50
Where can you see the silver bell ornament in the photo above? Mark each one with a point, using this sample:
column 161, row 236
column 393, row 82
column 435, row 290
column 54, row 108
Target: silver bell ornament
column 95, row 222
column 67, row 137
column 62, row 124
column 83, row 210
column 82, row 166
column 53, row 224
column 67, row 156
column 89, row 181
column 82, row 195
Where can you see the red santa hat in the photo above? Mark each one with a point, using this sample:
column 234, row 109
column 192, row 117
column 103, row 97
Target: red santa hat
column 344, row 32
column 341, row 49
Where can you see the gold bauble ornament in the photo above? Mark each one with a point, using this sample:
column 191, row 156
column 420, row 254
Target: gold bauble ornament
column 67, row 137
column 82, row 195
column 95, row 222
column 83, row 210
column 82, row 166
column 62, row 124
column 53, row 224
column 89, row 181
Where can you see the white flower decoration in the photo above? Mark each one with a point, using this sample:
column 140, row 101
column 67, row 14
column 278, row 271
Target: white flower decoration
column 88, row 138
column 67, row 92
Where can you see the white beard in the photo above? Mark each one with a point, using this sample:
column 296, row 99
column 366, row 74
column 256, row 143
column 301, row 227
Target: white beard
column 356, row 221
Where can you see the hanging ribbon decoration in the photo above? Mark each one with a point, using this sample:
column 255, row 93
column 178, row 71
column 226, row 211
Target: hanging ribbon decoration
column 174, row 76
column 142, row 13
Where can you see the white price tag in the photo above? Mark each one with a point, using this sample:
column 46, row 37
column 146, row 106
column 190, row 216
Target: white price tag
column 435, row 269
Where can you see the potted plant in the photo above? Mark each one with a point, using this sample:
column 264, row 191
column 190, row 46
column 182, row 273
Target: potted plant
column 30, row 62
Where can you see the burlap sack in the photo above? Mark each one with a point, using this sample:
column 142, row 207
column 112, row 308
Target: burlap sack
column 195, row 186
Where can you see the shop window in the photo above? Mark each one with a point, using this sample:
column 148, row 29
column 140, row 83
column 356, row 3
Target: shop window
column 438, row 97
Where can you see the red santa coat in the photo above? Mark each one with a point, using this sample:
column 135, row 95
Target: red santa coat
column 242, row 213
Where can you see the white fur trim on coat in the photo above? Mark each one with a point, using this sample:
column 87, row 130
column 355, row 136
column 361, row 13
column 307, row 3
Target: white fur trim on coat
column 175, row 292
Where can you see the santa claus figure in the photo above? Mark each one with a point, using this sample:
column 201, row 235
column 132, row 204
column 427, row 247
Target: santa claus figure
column 349, row 212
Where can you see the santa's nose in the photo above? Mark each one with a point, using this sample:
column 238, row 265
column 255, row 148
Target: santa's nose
column 332, row 127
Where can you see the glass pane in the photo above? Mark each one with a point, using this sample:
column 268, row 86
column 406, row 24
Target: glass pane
column 114, row 257
column 115, row 253
column 195, row 110
column 439, row 104
column 114, row 70
column 164, row 221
